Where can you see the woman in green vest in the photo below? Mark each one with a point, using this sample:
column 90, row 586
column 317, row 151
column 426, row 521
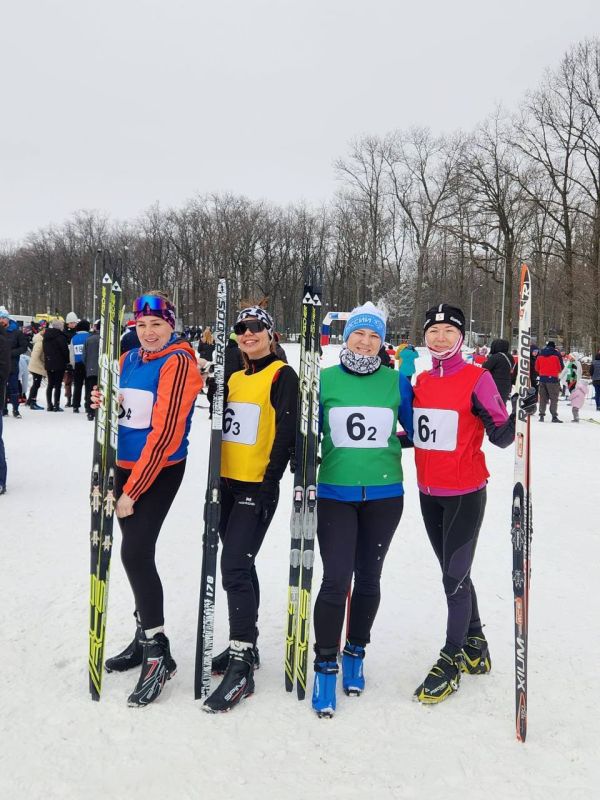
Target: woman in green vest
column 359, row 497
column 259, row 430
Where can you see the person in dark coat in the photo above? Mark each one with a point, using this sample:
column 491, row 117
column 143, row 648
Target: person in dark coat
column 56, row 358
column 500, row 365
column 206, row 349
column 130, row 339
column 595, row 376
column 4, row 372
column 233, row 357
column 91, row 358
column 18, row 345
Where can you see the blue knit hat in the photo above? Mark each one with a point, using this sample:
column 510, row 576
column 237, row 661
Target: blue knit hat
column 367, row 316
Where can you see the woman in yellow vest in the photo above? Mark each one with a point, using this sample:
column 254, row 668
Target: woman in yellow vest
column 259, row 429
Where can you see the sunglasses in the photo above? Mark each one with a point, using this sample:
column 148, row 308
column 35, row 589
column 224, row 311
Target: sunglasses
column 151, row 301
column 252, row 325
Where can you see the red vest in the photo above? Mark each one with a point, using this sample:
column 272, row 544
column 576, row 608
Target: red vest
column 448, row 436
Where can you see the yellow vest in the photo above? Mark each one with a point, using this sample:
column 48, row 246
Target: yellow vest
column 248, row 425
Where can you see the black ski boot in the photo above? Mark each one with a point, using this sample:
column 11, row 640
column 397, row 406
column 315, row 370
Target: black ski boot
column 157, row 668
column 221, row 662
column 477, row 659
column 238, row 680
column 442, row 679
column 132, row 655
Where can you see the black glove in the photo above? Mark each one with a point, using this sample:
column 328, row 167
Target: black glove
column 527, row 404
column 266, row 500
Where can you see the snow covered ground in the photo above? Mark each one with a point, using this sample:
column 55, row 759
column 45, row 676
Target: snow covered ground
column 56, row 743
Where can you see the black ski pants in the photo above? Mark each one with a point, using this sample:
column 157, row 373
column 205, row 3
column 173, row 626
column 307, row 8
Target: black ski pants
column 242, row 532
column 78, row 381
column 453, row 524
column 35, row 385
column 138, row 545
column 353, row 539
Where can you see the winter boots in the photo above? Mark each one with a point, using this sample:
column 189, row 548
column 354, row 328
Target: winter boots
column 238, row 679
column 442, row 679
column 132, row 655
column 323, row 697
column 157, row 668
column 353, row 679
column 476, row 653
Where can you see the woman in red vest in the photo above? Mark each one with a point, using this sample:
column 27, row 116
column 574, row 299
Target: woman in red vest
column 454, row 404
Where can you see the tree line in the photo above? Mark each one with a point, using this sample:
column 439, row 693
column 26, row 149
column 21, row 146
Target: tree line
column 419, row 218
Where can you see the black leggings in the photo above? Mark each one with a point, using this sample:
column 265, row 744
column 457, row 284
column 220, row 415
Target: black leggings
column 138, row 545
column 453, row 525
column 54, row 383
column 242, row 533
column 353, row 539
column 37, row 380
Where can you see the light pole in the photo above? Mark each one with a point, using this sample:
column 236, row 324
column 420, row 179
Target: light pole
column 98, row 251
column 72, row 295
column 471, row 317
column 503, row 293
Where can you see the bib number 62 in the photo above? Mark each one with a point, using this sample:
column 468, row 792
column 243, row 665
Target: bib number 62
column 357, row 431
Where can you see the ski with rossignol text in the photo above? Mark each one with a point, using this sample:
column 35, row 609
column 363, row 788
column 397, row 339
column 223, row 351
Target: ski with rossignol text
column 521, row 524
column 212, row 510
column 304, row 511
column 102, row 490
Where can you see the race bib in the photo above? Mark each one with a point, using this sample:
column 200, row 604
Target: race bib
column 240, row 423
column 360, row 426
column 78, row 349
column 136, row 408
column 435, row 428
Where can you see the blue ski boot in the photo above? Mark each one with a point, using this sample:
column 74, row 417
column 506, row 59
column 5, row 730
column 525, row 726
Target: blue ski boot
column 323, row 698
column 353, row 678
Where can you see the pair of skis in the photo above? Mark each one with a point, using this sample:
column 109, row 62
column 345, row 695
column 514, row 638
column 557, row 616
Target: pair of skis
column 304, row 511
column 521, row 527
column 102, row 490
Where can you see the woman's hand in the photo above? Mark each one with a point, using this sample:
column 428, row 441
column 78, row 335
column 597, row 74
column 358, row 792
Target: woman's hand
column 96, row 397
column 124, row 506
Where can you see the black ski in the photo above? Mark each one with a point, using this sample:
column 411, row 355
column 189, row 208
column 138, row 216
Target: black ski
column 102, row 490
column 521, row 529
column 212, row 510
column 304, row 513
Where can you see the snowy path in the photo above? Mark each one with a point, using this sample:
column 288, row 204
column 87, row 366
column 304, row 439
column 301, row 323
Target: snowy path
column 56, row 743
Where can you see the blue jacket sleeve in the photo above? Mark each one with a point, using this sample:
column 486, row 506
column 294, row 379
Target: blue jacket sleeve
column 405, row 412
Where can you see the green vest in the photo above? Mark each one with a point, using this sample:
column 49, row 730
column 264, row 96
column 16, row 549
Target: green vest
column 360, row 416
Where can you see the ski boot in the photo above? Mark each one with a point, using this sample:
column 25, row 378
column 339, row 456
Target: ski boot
column 476, row 653
column 238, row 680
column 133, row 654
column 353, row 679
column 541, row 417
column 442, row 679
column 157, row 668
column 556, row 419
column 221, row 661
column 323, row 697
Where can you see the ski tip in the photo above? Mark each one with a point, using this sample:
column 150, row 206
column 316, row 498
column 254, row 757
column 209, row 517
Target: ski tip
column 116, row 287
column 106, row 278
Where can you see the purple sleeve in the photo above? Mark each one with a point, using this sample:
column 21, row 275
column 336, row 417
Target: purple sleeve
column 490, row 408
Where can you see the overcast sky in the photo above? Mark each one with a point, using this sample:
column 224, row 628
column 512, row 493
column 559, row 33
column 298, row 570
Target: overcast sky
column 114, row 105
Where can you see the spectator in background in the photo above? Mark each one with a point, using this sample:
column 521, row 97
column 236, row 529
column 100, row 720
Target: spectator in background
column 515, row 368
column 4, row 372
column 130, row 339
column 77, row 342
column 90, row 357
column 532, row 371
column 36, row 368
column 595, row 376
column 17, row 342
column 234, row 360
column 500, row 365
column 406, row 361
column 549, row 365
column 70, row 329
column 56, row 359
